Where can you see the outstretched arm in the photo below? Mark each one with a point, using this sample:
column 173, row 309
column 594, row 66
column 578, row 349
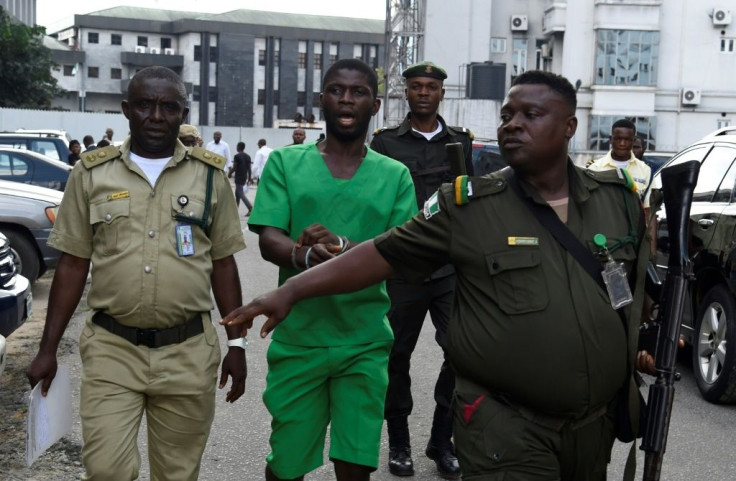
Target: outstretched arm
column 356, row 269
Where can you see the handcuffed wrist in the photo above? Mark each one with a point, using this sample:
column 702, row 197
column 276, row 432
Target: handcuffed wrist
column 306, row 257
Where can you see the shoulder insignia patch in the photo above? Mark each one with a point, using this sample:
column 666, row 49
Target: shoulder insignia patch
column 383, row 129
column 613, row 176
column 464, row 130
column 432, row 205
column 207, row 157
column 465, row 189
column 96, row 157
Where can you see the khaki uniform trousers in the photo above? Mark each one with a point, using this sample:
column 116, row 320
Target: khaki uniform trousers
column 174, row 385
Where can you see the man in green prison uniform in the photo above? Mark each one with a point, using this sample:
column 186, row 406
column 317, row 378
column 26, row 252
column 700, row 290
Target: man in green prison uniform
column 158, row 223
column 538, row 350
column 328, row 364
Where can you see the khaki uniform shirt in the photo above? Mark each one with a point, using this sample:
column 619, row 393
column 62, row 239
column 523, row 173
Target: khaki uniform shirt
column 111, row 215
column 527, row 321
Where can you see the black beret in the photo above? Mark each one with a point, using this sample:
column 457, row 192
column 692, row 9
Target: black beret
column 425, row 69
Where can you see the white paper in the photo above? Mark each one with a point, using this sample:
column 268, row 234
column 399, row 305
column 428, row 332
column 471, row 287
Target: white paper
column 50, row 417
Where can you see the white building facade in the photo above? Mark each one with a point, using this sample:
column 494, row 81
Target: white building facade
column 667, row 64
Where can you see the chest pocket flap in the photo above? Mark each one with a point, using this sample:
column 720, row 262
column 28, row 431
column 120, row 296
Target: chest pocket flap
column 192, row 212
column 517, row 280
column 111, row 223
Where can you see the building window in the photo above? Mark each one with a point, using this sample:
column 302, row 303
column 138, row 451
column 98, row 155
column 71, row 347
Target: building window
column 93, row 37
column 600, row 130
column 116, row 39
column 727, row 44
column 627, row 57
column 197, row 53
column 301, row 99
column 116, row 73
column 519, row 58
column 165, row 42
column 195, row 93
column 302, row 61
column 498, row 45
column 315, row 99
column 213, row 54
column 68, row 70
column 333, row 58
column 318, row 61
column 262, row 58
column 142, row 41
column 93, row 72
column 212, row 94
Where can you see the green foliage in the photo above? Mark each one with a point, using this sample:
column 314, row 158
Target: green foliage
column 25, row 66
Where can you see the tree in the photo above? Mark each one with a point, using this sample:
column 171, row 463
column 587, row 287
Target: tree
column 25, row 66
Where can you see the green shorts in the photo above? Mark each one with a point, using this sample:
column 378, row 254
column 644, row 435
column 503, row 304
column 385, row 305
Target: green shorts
column 308, row 388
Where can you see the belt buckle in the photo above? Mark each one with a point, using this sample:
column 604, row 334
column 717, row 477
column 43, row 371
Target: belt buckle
column 147, row 337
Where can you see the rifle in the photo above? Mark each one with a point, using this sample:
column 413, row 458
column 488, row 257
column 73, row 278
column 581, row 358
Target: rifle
column 678, row 183
column 456, row 157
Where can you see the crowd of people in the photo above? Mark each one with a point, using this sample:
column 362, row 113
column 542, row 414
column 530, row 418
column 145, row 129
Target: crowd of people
column 535, row 355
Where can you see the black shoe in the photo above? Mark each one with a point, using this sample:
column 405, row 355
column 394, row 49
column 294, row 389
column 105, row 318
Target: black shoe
column 445, row 459
column 400, row 462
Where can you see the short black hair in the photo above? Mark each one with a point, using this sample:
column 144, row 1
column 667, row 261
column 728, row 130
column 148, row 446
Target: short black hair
column 88, row 139
column 73, row 143
column 103, row 143
column 354, row 64
column 240, row 146
column 555, row 82
column 624, row 124
column 157, row 72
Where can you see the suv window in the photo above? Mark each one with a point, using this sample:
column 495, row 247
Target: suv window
column 724, row 156
column 712, row 169
column 45, row 147
column 12, row 165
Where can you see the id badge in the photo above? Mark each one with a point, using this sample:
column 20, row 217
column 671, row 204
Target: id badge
column 184, row 240
column 617, row 285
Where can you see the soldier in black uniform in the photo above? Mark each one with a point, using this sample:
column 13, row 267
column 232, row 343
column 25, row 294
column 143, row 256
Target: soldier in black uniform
column 419, row 143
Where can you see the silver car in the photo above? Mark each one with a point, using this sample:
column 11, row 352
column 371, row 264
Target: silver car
column 27, row 214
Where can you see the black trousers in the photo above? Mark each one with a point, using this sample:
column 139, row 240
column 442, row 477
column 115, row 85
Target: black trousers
column 409, row 306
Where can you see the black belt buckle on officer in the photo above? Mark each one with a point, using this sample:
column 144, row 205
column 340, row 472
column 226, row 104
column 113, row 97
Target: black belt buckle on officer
column 151, row 338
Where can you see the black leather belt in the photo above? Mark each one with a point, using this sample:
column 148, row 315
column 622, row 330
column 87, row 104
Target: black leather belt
column 152, row 338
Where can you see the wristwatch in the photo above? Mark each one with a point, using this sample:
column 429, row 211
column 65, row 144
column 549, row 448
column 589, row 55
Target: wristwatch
column 241, row 342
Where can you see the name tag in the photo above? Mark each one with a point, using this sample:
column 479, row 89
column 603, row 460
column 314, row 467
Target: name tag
column 119, row 195
column 523, row 241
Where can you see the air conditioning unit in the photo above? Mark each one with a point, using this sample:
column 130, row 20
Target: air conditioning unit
column 155, row 51
column 169, row 51
column 546, row 50
column 140, row 49
column 690, row 96
column 519, row 23
column 721, row 17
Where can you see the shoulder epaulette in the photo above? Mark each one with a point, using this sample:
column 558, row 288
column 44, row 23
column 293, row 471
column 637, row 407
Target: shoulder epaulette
column 465, row 188
column 209, row 158
column 383, row 129
column 464, row 130
column 99, row 156
column 613, row 176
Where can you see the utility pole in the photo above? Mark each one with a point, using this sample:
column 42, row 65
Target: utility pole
column 404, row 47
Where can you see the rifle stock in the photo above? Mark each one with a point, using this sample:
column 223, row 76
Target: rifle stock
column 456, row 157
column 678, row 184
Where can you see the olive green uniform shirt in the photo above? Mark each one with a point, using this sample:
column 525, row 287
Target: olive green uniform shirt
column 527, row 321
column 111, row 215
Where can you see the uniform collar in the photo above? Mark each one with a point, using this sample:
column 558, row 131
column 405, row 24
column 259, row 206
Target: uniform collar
column 180, row 153
column 406, row 126
column 609, row 162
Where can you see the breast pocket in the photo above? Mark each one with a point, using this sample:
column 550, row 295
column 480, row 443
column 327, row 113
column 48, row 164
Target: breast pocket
column 518, row 281
column 111, row 223
column 191, row 213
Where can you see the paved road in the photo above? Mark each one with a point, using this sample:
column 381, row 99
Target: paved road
column 700, row 446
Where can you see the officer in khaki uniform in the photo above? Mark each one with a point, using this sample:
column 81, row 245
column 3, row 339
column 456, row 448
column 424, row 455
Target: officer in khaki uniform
column 538, row 350
column 419, row 143
column 158, row 224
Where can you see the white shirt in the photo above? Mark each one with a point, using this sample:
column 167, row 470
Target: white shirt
column 151, row 167
column 221, row 149
column 259, row 161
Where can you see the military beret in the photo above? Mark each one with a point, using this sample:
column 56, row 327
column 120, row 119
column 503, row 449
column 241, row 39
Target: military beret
column 185, row 130
column 425, row 69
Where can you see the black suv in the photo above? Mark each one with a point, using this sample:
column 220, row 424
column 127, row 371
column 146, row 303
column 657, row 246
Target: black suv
column 709, row 324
